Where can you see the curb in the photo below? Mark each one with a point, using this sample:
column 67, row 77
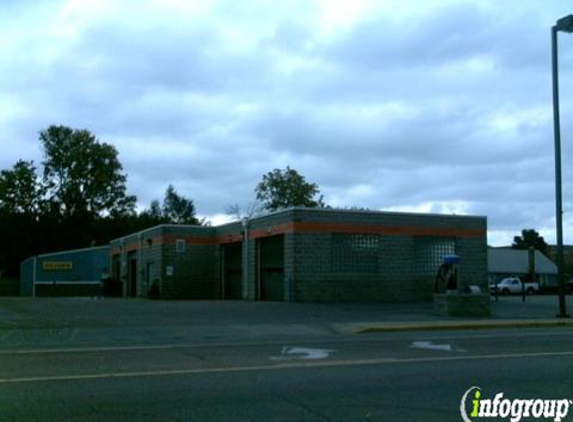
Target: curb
column 463, row 325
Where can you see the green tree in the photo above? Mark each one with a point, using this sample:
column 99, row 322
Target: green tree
column 80, row 199
column 281, row 189
column 82, row 175
column 176, row 209
column 529, row 238
column 20, row 189
column 21, row 199
column 155, row 211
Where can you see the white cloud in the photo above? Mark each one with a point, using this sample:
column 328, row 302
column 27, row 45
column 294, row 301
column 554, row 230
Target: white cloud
column 429, row 106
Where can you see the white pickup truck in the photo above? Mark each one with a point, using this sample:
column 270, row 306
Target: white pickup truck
column 513, row 285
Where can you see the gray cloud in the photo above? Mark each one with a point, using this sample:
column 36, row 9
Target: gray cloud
column 440, row 107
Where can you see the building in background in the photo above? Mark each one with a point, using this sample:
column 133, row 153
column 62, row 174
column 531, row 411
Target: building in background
column 507, row 262
column 567, row 258
column 303, row 254
column 76, row 272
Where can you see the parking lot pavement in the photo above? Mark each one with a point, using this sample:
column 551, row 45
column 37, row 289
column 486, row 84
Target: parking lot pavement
column 86, row 322
column 89, row 312
column 534, row 307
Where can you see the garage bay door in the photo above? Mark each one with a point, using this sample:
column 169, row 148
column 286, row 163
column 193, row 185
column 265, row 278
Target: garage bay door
column 271, row 268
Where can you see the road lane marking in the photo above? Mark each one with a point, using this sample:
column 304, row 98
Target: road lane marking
column 302, row 353
column 428, row 345
column 291, row 365
column 87, row 349
column 351, row 339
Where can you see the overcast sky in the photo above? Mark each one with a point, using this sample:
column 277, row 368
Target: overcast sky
column 430, row 106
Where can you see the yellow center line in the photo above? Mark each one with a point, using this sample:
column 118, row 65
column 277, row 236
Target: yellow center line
column 290, row 365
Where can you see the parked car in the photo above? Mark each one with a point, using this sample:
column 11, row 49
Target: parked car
column 570, row 286
column 513, row 285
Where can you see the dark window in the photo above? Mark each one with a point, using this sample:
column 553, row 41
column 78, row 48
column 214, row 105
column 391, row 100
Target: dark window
column 355, row 253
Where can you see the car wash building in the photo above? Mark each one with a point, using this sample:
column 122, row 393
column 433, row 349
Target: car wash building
column 303, row 254
column 68, row 273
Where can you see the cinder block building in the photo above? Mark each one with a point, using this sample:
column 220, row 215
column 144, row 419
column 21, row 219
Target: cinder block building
column 303, row 254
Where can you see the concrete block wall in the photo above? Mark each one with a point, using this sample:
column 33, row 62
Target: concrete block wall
column 290, row 267
column 316, row 280
column 193, row 273
column 474, row 262
column 150, row 262
column 308, row 255
column 188, row 275
column 145, row 248
column 398, row 279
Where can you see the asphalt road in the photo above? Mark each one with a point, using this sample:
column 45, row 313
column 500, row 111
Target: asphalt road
column 413, row 376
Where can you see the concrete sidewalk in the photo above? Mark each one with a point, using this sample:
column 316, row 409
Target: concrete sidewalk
column 375, row 327
column 507, row 312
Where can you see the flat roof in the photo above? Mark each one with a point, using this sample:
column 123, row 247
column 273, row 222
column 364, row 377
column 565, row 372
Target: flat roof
column 91, row 248
column 306, row 209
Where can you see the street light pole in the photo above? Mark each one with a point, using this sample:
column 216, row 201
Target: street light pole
column 566, row 25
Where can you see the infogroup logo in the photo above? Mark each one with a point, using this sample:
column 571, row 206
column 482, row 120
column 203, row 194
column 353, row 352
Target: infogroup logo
column 514, row 409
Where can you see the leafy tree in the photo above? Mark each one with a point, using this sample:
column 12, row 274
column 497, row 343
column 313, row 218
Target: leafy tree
column 281, row 189
column 20, row 189
column 155, row 211
column 82, row 175
column 529, row 238
column 21, row 199
column 176, row 209
column 80, row 199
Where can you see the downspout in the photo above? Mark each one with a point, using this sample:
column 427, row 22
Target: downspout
column 123, row 268
column 245, row 222
column 139, row 283
column 223, row 273
column 34, row 274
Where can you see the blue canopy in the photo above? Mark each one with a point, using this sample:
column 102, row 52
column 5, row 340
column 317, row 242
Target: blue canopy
column 451, row 259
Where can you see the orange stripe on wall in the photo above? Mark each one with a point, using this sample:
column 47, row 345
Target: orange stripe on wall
column 312, row 227
column 271, row 231
column 230, row 238
column 189, row 240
